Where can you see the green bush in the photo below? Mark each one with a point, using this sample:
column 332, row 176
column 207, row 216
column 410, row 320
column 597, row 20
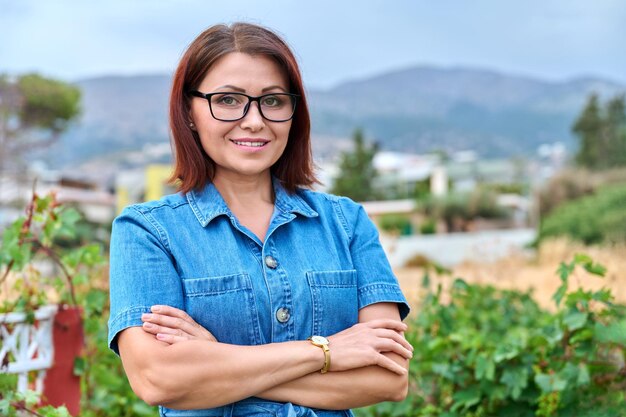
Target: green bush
column 598, row 218
column 428, row 227
column 459, row 208
column 396, row 223
column 492, row 352
column 572, row 184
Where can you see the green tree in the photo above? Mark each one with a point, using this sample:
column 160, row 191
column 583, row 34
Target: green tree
column 587, row 128
column 357, row 171
column 602, row 134
column 34, row 111
column 615, row 130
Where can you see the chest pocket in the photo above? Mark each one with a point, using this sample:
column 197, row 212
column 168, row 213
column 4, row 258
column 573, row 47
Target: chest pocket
column 225, row 306
column 335, row 302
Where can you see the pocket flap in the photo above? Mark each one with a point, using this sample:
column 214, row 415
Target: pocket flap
column 216, row 285
column 345, row 278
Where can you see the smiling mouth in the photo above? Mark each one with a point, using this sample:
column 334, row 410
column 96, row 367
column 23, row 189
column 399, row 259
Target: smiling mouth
column 250, row 144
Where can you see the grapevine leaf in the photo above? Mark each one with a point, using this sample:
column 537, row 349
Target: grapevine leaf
column 575, row 320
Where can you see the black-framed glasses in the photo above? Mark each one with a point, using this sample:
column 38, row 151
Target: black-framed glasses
column 230, row 107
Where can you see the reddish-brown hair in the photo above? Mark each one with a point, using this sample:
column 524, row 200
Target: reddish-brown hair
column 193, row 168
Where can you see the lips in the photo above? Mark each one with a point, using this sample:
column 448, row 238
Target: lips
column 250, row 143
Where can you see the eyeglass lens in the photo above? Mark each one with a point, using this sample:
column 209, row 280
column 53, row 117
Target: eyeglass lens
column 233, row 106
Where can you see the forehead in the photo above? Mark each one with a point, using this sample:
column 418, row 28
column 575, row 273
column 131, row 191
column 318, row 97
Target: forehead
column 249, row 72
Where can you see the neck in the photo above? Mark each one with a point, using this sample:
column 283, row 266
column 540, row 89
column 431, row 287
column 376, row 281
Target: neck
column 245, row 191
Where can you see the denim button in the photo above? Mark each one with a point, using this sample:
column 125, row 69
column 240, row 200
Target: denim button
column 282, row 315
column 271, row 262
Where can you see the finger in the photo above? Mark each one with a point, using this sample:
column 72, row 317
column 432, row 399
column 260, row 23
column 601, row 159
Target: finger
column 387, row 363
column 170, row 338
column 172, row 323
column 172, row 312
column 387, row 345
column 156, row 329
column 390, row 334
column 387, row 324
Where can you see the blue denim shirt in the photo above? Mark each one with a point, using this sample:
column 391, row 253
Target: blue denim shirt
column 321, row 262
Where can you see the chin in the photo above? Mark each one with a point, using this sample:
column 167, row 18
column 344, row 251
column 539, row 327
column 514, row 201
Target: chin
column 250, row 171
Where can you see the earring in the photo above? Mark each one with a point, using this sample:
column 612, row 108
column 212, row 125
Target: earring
column 192, row 126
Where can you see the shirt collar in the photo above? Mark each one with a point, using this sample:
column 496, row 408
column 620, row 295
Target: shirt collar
column 208, row 203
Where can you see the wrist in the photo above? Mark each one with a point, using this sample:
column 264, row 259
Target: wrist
column 322, row 343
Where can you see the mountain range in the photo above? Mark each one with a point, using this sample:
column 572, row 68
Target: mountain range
column 416, row 109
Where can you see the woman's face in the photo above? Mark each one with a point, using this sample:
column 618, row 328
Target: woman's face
column 228, row 144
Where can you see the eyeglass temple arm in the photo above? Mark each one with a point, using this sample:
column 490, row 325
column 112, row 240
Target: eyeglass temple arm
column 197, row 93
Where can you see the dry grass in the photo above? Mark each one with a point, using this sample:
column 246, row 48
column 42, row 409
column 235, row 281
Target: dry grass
column 519, row 271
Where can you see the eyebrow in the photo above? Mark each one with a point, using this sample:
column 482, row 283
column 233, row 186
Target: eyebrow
column 272, row 87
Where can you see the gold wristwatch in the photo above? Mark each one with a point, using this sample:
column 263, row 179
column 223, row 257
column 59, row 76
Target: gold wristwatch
column 322, row 342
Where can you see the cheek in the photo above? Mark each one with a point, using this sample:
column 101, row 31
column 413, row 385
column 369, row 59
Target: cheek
column 286, row 130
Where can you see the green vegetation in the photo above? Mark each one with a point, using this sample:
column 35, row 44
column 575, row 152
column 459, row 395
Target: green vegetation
column 357, row 171
column 597, row 218
column 34, row 240
column 428, row 227
column 587, row 204
column 14, row 404
column 571, row 184
column 34, row 111
column 105, row 389
column 396, row 224
column 492, row 352
column 458, row 209
column 51, row 232
column 602, row 134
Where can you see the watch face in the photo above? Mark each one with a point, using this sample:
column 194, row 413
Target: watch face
column 319, row 340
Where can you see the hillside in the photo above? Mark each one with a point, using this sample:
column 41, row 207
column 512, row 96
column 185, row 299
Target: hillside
column 416, row 109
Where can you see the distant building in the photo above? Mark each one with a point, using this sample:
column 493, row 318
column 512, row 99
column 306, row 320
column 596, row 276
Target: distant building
column 96, row 204
column 142, row 184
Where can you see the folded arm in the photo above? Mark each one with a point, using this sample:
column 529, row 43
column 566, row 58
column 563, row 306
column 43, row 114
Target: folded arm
column 368, row 362
column 185, row 368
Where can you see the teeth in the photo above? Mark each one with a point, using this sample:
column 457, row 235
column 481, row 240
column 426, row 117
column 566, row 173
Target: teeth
column 252, row 144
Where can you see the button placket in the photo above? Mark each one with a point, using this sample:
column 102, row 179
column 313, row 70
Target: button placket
column 279, row 293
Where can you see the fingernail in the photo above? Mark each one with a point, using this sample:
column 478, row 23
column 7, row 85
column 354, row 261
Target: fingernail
column 146, row 316
column 160, row 336
column 148, row 325
column 155, row 309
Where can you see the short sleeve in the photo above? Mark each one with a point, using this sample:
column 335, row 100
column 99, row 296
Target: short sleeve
column 375, row 279
column 142, row 271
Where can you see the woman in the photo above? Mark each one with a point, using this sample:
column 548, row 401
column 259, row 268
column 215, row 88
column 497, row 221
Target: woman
column 246, row 293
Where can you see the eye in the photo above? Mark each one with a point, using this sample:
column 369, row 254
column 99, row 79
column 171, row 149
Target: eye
column 227, row 100
column 273, row 101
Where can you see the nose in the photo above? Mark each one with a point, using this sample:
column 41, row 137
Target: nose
column 253, row 119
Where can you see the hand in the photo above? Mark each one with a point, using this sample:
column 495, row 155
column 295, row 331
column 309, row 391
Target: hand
column 364, row 344
column 172, row 325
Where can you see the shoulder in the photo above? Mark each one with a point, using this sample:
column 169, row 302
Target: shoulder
column 151, row 208
column 346, row 210
column 168, row 202
column 318, row 197
column 151, row 214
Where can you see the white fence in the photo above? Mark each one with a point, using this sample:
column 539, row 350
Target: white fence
column 26, row 347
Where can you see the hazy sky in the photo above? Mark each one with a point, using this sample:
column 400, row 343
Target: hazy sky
column 335, row 40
